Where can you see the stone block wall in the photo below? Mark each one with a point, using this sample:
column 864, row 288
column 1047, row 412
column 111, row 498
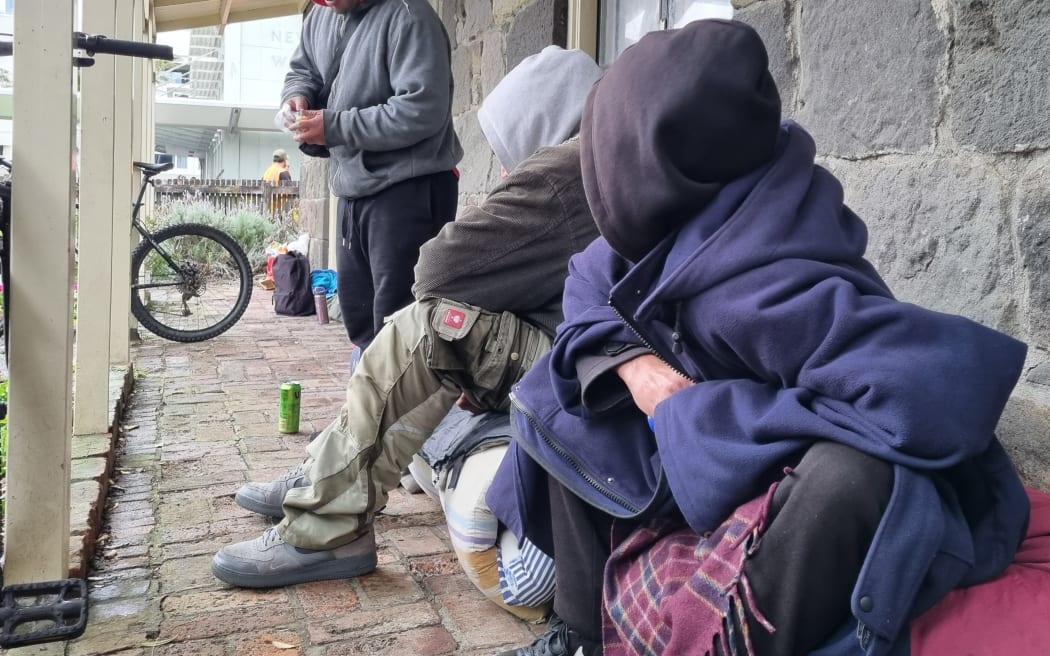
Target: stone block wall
column 314, row 208
column 489, row 38
column 935, row 114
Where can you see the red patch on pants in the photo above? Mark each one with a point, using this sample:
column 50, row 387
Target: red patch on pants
column 454, row 318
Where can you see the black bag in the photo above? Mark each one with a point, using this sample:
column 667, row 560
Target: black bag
column 314, row 150
column 292, row 295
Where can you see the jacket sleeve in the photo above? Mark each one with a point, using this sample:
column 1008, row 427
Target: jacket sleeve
column 909, row 385
column 304, row 76
column 591, row 325
column 421, row 82
column 601, row 389
column 492, row 255
column 511, row 252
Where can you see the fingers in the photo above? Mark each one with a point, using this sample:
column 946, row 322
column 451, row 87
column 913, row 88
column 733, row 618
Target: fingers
column 309, row 128
column 464, row 403
column 298, row 103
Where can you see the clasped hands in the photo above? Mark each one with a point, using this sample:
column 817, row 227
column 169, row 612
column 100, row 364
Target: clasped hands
column 308, row 126
column 650, row 380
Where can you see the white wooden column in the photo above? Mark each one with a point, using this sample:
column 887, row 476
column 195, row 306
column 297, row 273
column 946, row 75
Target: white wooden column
column 137, row 65
column 124, row 186
column 335, row 239
column 97, row 216
column 137, row 82
column 583, row 26
column 142, row 128
column 37, row 536
column 150, row 97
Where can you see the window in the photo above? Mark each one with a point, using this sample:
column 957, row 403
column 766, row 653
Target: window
column 623, row 22
column 9, row 6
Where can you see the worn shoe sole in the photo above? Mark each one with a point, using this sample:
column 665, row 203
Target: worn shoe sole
column 257, row 506
column 342, row 568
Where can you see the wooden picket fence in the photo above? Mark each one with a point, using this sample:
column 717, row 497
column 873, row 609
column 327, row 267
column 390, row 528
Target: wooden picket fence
column 278, row 202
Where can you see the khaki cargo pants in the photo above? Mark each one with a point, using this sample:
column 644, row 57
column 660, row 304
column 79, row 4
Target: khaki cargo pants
column 406, row 382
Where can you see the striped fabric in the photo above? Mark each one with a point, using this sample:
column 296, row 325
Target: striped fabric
column 471, row 525
column 526, row 574
column 669, row 590
column 519, row 579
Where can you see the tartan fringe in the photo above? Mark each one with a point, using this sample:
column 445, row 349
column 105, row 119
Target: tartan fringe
column 740, row 604
column 669, row 589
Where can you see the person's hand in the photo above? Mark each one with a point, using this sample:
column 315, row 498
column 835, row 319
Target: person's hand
column 650, row 380
column 464, row 403
column 290, row 111
column 297, row 103
column 310, row 127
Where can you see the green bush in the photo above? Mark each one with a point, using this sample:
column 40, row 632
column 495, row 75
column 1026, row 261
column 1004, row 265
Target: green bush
column 250, row 229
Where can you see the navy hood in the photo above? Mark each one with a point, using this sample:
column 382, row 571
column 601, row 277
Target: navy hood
column 679, row 114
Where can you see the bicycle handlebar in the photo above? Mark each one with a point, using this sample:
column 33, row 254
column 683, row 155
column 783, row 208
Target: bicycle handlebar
column 97, row 44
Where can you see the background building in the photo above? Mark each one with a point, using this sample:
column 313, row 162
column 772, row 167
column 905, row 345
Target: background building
column 216, row 102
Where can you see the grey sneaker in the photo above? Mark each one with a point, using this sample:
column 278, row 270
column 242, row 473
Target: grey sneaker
column 270, row 562
column 267, row 498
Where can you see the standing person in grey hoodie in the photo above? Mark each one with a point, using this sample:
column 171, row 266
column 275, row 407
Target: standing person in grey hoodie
column 371, row 84
column 488, row 292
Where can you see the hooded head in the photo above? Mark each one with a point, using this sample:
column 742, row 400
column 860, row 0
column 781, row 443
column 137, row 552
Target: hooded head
column 537, row 104
column 679, row 114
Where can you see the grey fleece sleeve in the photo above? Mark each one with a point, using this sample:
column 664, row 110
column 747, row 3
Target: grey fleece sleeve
column 303, row 77
column 421, row 79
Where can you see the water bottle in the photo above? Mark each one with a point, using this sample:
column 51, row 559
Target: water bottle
column 321, row 304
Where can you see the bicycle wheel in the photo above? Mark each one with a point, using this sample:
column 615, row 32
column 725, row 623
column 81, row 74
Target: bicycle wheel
column 195, row 284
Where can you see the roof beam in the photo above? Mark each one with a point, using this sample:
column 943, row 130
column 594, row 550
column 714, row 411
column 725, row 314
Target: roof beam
column 209, row 20
column 224, row 14
column 235, row 117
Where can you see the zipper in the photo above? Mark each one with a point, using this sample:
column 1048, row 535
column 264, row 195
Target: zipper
column 592, row 481
column 676, row 336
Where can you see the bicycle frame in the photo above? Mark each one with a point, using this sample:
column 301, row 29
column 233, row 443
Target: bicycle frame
column 136, row 207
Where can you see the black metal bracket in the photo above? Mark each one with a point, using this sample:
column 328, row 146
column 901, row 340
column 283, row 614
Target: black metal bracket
column 31, row 613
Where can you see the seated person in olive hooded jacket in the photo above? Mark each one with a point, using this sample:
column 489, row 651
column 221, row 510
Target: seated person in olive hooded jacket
column 488, row 292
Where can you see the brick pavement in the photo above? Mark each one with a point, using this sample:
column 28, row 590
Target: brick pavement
column 203, row 419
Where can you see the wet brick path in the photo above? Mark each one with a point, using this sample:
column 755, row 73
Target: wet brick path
column 202, row 420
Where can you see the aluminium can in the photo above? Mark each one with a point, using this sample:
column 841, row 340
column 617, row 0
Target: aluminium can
column 288, row 410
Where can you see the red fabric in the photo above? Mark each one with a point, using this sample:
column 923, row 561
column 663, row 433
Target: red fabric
column 671, row 591
column 1009, row 615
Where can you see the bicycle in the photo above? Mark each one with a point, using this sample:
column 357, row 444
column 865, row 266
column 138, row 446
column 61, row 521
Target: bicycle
column 184, row 264
column 172, row 268
column 190, row 282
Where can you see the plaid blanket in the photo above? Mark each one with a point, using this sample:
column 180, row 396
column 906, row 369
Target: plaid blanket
column 669, row 590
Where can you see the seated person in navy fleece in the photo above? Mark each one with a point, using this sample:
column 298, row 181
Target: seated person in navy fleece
column 822, row 464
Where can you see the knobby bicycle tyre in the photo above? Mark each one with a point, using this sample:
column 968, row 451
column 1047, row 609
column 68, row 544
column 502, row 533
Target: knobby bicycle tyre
column 204, row 298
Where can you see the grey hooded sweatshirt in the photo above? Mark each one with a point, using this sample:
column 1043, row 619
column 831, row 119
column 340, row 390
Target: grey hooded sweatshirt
column 511, row 252
column 389, row 112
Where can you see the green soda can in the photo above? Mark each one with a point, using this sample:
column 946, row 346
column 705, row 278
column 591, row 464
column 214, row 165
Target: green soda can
column 288, row 411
